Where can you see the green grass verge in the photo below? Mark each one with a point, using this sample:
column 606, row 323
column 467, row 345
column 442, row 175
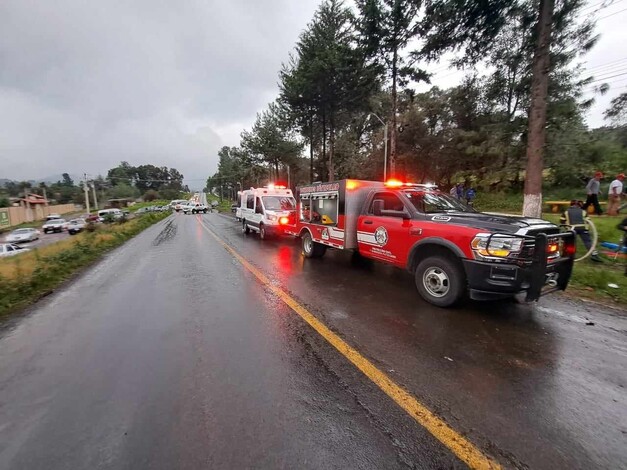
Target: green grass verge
column 27, row 277
column 590, row 279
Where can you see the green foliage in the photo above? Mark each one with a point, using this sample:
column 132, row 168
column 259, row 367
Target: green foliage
column 4, row 202
column 617, row 112
column 145, row 177
column 270, row 141
column 326, row 82
column 150, row 195
column 122, row 191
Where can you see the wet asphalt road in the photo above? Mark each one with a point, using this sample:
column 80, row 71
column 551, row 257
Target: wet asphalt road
column 169, row 354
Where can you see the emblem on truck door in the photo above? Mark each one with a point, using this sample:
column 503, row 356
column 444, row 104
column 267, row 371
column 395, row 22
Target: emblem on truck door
column 381, row 236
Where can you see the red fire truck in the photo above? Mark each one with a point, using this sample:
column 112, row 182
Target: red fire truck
column 448, row 247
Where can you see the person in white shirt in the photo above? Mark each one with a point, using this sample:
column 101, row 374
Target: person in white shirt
column 614, row 195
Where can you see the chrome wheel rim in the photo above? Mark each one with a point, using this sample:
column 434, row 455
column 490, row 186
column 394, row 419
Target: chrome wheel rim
column 307, row 244
column 436, row 282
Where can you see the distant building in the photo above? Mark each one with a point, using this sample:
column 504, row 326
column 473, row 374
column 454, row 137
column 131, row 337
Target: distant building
column 32, row 199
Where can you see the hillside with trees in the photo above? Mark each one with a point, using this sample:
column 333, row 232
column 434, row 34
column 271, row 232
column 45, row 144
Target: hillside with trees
column 148, row 182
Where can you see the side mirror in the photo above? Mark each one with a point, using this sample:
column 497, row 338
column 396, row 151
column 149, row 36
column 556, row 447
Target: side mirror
column 377, row 207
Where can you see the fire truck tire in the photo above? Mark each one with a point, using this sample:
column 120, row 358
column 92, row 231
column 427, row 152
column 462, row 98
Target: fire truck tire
column 312, row 249
column 245, row 228
column 440, row 281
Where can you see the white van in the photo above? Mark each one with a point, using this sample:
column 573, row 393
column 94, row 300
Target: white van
column 267, row 211
column 116, row 213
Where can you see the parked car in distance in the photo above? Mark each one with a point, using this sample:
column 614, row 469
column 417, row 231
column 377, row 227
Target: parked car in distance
column 22, row 235
column 8, row 249
column 113, row 214
column 54, row 225
column 52, row 217
column 75, row 226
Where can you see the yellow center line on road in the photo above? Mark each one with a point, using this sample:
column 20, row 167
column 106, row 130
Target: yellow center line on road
column 455, row 442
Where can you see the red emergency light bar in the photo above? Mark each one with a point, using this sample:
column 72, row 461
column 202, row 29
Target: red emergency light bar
column 277, row 186
column 399, row 184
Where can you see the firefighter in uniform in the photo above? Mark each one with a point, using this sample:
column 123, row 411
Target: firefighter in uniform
column 575, row 217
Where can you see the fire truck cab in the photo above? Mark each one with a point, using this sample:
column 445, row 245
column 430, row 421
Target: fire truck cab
column 449, row 248
column 267, row 210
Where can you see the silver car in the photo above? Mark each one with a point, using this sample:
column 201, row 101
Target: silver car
column 75, row 226
column 54, row 225
column 7, row 249
column 22, row 235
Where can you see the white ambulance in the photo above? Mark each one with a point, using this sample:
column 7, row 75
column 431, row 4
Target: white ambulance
column 267, row 211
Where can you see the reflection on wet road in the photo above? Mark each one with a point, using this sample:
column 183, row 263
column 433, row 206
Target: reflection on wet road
column 170, row 354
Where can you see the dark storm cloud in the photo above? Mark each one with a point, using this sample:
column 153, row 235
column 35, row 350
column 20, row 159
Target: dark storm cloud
column 84, row 85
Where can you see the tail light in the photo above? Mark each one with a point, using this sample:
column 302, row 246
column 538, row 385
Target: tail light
column 570, row 248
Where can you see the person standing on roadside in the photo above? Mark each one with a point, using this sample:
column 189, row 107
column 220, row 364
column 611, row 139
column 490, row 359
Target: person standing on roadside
column 593, row 188
column 460, row 191
column 470, row 196
column 615, row 194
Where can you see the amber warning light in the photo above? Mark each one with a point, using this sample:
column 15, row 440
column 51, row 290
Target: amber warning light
column 284, row 220
column 394, row 183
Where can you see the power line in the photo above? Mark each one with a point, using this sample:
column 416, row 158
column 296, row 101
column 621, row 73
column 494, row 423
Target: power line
column 611, row 76
column 612, row 14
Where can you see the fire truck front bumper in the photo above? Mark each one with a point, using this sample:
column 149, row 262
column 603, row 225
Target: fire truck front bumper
column 493, row 281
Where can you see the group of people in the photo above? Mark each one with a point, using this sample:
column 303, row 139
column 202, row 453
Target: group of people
column 461, row 194
column 615, row 194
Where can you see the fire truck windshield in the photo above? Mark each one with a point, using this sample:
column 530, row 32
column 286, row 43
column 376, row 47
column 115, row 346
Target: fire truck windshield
column 431, row 202
column 278, row 203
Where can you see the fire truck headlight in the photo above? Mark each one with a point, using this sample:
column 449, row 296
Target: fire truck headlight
column 272, row 218
column 495, row 246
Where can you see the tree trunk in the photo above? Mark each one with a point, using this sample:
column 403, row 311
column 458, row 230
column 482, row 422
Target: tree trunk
column 311, row 150
column 324, row 141
column 392, row 162
column 331, row 148
column 532, row 205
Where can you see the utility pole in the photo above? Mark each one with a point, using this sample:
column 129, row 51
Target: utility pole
column 385, row 145
column 93, row 187
column 86, row 189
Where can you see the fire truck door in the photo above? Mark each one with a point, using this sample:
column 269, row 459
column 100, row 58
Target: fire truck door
column 384, row 232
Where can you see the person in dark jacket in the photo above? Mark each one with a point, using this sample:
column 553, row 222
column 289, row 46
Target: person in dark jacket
column 575, row 217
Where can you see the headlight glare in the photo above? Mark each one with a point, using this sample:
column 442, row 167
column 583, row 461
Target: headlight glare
column 496, row 246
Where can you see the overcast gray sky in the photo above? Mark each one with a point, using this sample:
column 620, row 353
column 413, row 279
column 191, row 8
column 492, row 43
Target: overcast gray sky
column 85, row 84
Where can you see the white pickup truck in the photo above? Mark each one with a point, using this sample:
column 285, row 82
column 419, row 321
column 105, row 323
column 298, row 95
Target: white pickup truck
column 194, row 208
